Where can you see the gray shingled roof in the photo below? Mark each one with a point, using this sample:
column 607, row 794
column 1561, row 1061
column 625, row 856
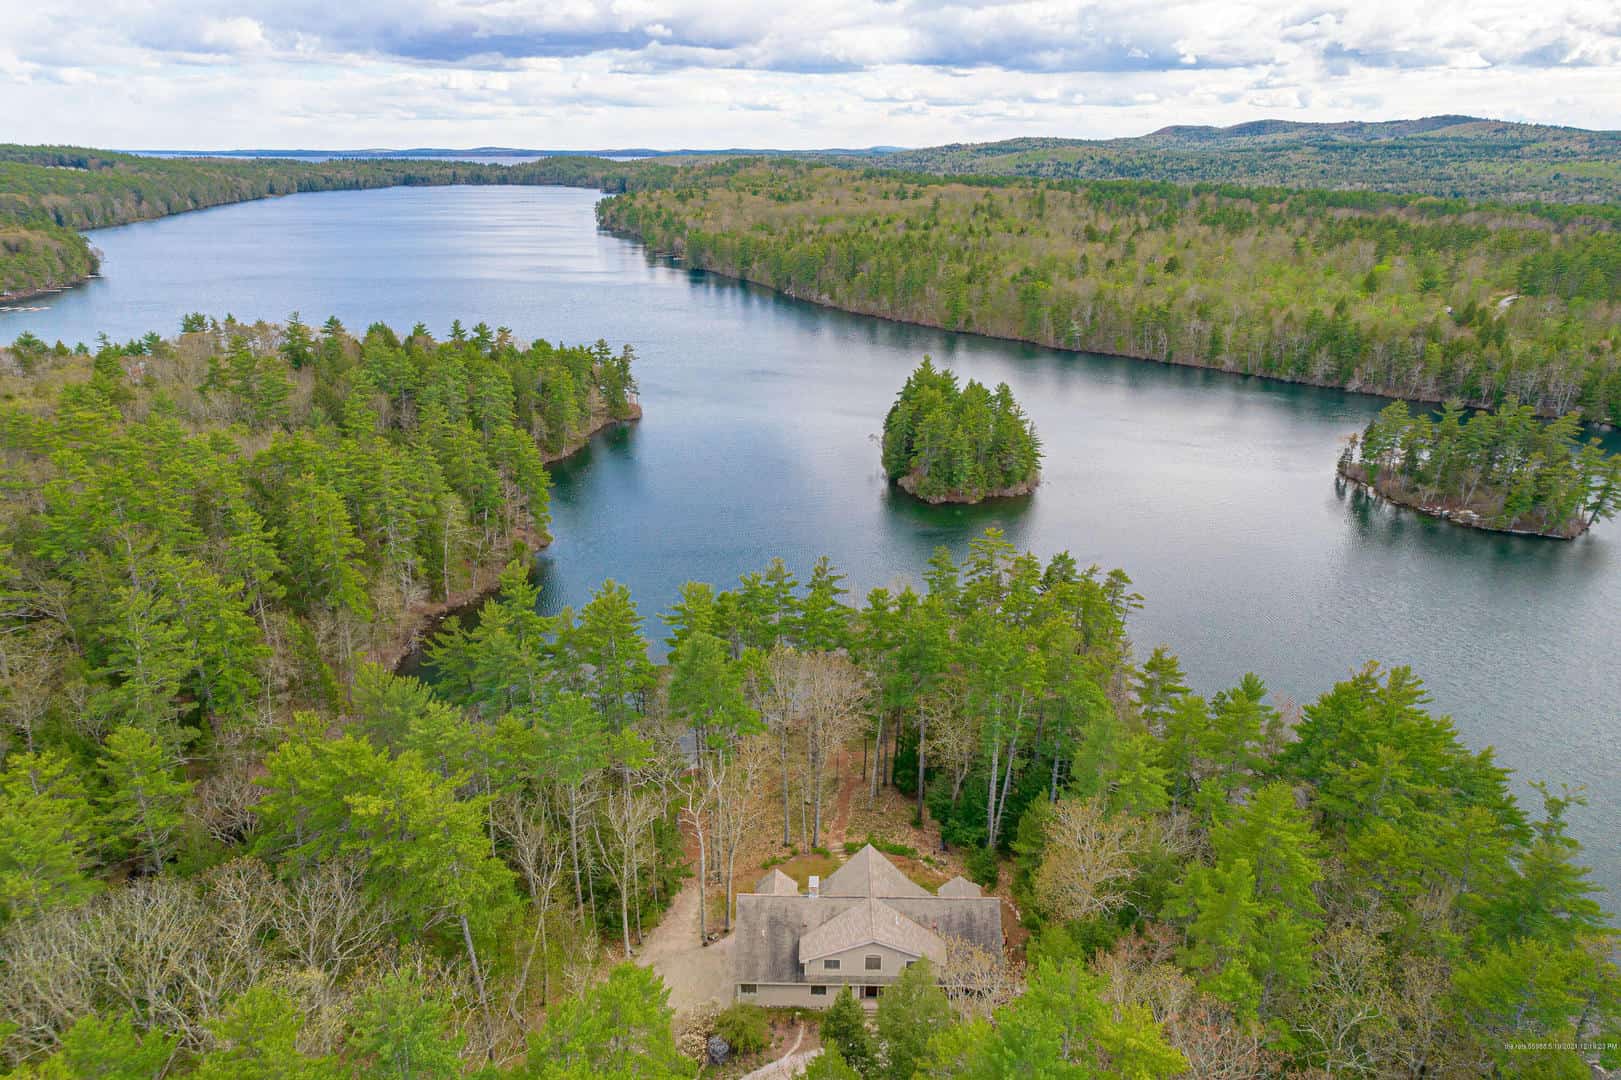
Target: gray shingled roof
column 777, row 883
column 866, row 922
column 867, row 873
column 769, row 927
column 777, row 928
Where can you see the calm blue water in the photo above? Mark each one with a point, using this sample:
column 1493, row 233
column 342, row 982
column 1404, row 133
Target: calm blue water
column 1215, row 493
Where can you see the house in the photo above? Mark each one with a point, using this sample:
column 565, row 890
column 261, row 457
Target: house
column 859, row 928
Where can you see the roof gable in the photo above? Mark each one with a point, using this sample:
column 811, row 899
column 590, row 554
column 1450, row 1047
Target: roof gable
column 777, row 883
column 870, row 922
column 867, row 873
column 765, row 946
column 959, row 886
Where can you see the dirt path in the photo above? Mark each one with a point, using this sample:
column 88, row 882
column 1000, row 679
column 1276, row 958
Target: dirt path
column 693, row 973
column 850, row 780
column 790, row 1064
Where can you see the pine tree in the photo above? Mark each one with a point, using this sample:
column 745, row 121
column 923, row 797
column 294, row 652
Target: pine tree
column 910, row 1011
column 844, row 1027
column 45, row 835
column 143, row 807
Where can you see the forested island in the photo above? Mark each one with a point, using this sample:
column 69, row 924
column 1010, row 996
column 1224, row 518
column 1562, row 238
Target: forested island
column 1417, row 298
column 949, row 444
column 1503, row 470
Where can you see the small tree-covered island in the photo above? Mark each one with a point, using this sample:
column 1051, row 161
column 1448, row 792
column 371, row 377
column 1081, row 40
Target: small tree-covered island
column 946, row 444
column 1503, row 471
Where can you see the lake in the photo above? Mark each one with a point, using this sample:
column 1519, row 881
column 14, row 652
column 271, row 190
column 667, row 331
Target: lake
column 1215, row 493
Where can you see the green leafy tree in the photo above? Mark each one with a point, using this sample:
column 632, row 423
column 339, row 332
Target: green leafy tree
column 405, row 1030
column 829, row 1065
column 257, row 1039
column 844, row 1027
column 46, row 835
column 110, row 1048
column 618, row 1029
column 910, row 1011
column 423, row 849
column 1253, row 915
column 1061, row 1026
column 144, row 805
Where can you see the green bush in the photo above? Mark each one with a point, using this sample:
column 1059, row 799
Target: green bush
column 745, row 1028
column 983, row 867
column 891, row 847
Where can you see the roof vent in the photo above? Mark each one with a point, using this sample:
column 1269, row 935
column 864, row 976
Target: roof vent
column 814, row 886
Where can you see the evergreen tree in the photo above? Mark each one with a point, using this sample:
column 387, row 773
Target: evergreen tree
column 145, row 799
column 405, row 1031
column 618, row 1029
column 844, row 1027
column 910, row 1011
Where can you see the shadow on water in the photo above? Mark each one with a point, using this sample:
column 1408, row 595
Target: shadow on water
column 1537, row 564
column 923, row 526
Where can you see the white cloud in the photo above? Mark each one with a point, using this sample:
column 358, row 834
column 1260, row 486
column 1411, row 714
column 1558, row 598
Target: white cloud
column 597, row 73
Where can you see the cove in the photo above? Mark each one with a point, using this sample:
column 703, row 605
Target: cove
column 1216, row 493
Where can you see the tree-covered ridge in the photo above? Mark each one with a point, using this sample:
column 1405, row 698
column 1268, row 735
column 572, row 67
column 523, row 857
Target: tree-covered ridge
column 49, row 193
column 1446, row 156
column 945, row 443
column 1497, row 470
column 1414, row 298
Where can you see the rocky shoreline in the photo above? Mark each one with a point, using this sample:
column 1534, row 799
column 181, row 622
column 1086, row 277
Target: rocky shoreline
column 909, row 482
column 1468, row 518
column 402, row 650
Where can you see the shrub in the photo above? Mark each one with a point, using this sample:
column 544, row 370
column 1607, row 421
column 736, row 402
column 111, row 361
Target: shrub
column 745, row 1027
column 983, row 867
column 889, row 847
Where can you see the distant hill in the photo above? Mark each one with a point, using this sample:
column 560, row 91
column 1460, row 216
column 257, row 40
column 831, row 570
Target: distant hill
column 1447, row 156
column 477, row 153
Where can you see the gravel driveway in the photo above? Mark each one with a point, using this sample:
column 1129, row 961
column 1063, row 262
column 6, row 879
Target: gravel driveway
column 693, row 973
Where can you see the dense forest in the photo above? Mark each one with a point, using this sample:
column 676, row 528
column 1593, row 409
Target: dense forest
column 49, row 193
column 232, row 847
column 235, row 842
column 1414, row 298
column 1447, row 156
column 1497, row 470
column 945, row 443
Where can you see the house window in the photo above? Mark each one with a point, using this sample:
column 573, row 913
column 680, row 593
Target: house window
column 746, row 988
column 818, row 991
column 830, row 965
column 875, row 963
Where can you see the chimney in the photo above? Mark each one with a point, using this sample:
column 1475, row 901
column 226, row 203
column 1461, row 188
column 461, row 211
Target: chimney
column 814, row 886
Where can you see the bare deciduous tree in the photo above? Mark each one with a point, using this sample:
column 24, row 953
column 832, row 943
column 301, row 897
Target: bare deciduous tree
column 541, row 856
column 1088, row 857
column 325, row 919
column 976, row 979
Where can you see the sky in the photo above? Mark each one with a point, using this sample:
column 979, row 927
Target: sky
column 794, row 74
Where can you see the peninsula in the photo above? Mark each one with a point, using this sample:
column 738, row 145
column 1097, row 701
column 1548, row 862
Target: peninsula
column 946, row 444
